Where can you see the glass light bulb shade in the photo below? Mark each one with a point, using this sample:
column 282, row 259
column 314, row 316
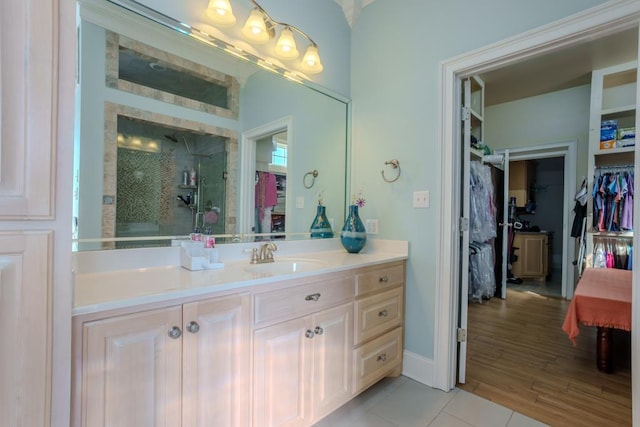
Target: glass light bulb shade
column 286, row 45
column 220, row 12
column 311, row 61
column 255, row 29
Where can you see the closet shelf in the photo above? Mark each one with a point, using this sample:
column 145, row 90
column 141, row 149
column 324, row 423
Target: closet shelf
column 476, row 154
column 613, row 234
column 622, row 110
column 615, row 150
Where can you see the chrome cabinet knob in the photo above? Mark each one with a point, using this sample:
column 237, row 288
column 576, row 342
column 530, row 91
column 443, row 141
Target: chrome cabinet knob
column 383, row 279
column 309, row 333
column 312, row 297
column 193, row 327
column 319, row 330
column 383, row 313
column 175, row 332
column 382, row 357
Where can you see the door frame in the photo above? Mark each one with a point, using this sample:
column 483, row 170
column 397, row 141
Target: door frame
column 599, row 21
column 247, row 153
column 569, row 151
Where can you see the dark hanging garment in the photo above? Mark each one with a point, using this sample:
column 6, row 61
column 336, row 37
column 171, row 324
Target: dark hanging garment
column 580, row 213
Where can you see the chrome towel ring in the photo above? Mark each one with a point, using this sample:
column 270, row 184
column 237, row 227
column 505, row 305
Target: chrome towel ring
column 313, row 174
column 395, row 164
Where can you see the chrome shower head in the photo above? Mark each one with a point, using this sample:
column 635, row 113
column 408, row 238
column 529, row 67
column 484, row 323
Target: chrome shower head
column 172, row 137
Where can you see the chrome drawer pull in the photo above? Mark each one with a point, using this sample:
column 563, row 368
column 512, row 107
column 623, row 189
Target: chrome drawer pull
column 193, row 327
column 312, row 297
column 382, row 358
column 383, row 279
column 175, row 332
column 309, row 333
column 319, row 330
column 383, row 313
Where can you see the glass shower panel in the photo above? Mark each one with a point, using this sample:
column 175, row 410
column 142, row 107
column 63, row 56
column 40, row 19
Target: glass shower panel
column 212, row 185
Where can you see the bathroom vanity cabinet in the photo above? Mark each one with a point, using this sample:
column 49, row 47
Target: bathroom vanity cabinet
column 303, row 352
column 303, row 346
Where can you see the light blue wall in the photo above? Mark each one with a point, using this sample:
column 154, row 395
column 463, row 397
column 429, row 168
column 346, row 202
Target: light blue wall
column 396, row 50
column 319, row 125
column 554, row 117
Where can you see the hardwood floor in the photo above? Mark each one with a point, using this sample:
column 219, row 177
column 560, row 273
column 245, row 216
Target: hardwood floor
column 519, row 357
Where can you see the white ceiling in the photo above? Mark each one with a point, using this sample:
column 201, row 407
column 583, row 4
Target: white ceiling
column 563, row 69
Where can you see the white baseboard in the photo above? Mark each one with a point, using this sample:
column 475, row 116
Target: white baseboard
column 418, row 368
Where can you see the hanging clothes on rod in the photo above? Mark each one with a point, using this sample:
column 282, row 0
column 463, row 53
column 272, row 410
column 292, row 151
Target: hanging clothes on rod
column 482, row 228
column 612, row 193
column 482, row 208
column 482, row 282
column 613, row 252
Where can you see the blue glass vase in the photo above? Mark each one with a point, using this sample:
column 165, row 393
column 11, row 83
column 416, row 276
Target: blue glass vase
column 320, row 227
column 353, row 235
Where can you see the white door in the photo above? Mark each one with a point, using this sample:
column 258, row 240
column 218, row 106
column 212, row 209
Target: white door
column 506, row 227
column 464, row 229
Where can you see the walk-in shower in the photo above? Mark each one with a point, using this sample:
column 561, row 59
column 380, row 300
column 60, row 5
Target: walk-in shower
column 151, row 196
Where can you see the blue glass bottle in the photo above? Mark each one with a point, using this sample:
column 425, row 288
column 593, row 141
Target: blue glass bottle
column 353, row 235
column 320, row 227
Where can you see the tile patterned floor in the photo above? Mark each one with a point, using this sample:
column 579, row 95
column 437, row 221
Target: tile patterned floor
column 402, row 402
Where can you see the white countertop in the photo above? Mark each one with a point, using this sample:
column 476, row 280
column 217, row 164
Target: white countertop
column 112, row 279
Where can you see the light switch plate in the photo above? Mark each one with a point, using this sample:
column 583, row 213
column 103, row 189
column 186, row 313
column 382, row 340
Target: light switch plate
column 300, row 202
column 371, row 225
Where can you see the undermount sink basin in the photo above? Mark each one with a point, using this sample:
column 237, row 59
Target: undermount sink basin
column 286, row 266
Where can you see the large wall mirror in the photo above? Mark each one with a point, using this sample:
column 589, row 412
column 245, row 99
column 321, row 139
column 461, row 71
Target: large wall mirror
column 174, row 134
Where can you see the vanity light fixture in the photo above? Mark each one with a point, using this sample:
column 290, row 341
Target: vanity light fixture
column 286, row 45
column 220, row 12
column 259, row 28
column 255, row 29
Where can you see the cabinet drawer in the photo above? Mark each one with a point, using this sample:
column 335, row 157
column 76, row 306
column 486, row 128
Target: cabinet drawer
column 378, row 313
column 379, row 279
column 377, row 359
column 300, row 300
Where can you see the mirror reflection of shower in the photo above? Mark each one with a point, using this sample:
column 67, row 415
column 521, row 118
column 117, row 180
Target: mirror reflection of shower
column 199, row 181
column 169, row 181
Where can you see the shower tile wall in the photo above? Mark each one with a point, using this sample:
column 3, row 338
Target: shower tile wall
column 174, row 217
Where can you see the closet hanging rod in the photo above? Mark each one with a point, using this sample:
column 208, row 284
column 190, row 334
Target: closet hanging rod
column 631, row 166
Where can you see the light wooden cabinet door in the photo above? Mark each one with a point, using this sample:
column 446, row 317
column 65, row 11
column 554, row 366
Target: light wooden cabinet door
column 216, row 362
column 521, row 175
column 532, row 256
column 132, row 370
column 302, row 368
column 332, row 355
column 25, row 334
column 282, row 371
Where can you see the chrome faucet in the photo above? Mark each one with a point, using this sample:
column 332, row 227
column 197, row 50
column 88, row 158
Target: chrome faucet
column 265, row 254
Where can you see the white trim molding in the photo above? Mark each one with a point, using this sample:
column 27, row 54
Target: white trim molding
column 418, row 368
column 247, row 151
